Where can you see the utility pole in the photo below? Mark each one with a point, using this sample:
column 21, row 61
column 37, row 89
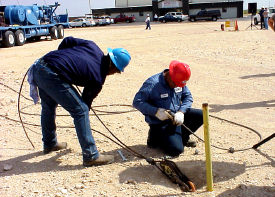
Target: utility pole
column 90, row 7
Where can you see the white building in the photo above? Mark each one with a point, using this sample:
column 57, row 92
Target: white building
column 140, row 8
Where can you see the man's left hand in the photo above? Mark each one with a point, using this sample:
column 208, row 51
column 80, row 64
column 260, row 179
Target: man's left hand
column 179, row 118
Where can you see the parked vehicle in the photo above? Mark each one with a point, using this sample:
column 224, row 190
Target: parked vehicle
column 18, row 23
column 179, row 15
column 99, row 21
column 206, row 15
column 169, row 18
column 107, row 19
column 90, row 18
column 104, row 20
column 124, row 18
column 80, row 22
column 91, row 21
column 257, row 18
column 111, row 20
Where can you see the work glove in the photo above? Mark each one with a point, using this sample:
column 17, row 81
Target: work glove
column 179, row 118
column 162, row 114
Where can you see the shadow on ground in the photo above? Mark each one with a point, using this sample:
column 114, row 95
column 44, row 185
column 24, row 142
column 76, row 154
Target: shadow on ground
column 218, row 108
column 194, row 170
column 143, row 172
column 240, row 191
column 258, row 76
column 251, row 191
column 23, row 165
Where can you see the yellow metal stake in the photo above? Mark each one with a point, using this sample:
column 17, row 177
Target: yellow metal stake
column 209, row 175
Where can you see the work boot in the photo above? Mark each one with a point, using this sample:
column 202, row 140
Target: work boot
column 101, row 160
column 58, row 146
column 151, row 143
column 152, row 140
column 191, row 143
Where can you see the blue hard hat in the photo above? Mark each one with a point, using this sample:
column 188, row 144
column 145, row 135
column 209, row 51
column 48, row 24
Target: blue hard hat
column 120, row 57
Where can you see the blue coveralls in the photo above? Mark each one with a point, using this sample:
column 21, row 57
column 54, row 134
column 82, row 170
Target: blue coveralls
column 155, row 93
column 76, row 62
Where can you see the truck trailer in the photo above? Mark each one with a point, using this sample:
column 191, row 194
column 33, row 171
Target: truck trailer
column 19, row 23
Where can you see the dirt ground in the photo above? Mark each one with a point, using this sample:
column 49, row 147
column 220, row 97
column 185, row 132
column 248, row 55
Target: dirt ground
column 232, row 71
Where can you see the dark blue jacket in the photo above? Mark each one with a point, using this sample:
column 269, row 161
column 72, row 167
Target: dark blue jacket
column 261, row 13
column 155, row 93
column 82, row 63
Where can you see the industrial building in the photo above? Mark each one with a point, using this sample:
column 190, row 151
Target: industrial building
column 140, row 8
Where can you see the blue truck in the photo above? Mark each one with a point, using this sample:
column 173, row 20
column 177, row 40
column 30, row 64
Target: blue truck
column 19, row 23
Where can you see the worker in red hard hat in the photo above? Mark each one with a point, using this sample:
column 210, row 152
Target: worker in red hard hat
column 161, row 94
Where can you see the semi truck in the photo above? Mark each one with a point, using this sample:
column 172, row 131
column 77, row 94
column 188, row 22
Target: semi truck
column 19, row 23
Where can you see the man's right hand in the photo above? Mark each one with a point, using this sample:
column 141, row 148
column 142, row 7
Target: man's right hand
column 162, row 114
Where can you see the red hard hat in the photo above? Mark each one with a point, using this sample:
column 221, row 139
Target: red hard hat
column 179, row 72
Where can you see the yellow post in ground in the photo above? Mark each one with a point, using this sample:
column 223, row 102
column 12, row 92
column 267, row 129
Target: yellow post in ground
column 209, row 175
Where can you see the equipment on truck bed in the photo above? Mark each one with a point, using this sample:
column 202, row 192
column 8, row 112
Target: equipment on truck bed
column 18, row 23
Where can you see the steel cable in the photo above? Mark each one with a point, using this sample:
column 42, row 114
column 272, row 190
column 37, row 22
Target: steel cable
column 123, row 145
column 171, row 171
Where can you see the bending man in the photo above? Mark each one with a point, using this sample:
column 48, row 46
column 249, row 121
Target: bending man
column 76, row 62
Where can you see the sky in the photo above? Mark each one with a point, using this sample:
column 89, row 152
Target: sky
column 81, row 7
column 74, row 7
column 260, row 3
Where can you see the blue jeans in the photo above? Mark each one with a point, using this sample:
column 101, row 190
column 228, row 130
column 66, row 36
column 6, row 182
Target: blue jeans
column 53, row 91
column 171, row 138
column 148, row 25
column 266, row 22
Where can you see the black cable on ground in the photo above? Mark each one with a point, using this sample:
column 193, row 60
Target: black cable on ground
column 133, row 110
column 18, row 107
column 167, row 167
column 108, row 112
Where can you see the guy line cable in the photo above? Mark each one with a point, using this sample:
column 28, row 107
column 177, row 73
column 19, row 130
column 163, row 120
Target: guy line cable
column 167, row 167
column 107, row 112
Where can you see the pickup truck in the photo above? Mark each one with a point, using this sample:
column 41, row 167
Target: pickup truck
column 257, row 18
column 124, row 18
column 173, row 16
column 81, row 22
column 206, row 15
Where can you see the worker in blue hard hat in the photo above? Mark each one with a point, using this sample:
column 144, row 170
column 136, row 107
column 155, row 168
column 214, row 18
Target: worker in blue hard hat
column 76, row 62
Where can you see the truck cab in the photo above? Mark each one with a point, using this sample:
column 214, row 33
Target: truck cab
column 179, row 15
column 206, row 15
column 124, row 18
